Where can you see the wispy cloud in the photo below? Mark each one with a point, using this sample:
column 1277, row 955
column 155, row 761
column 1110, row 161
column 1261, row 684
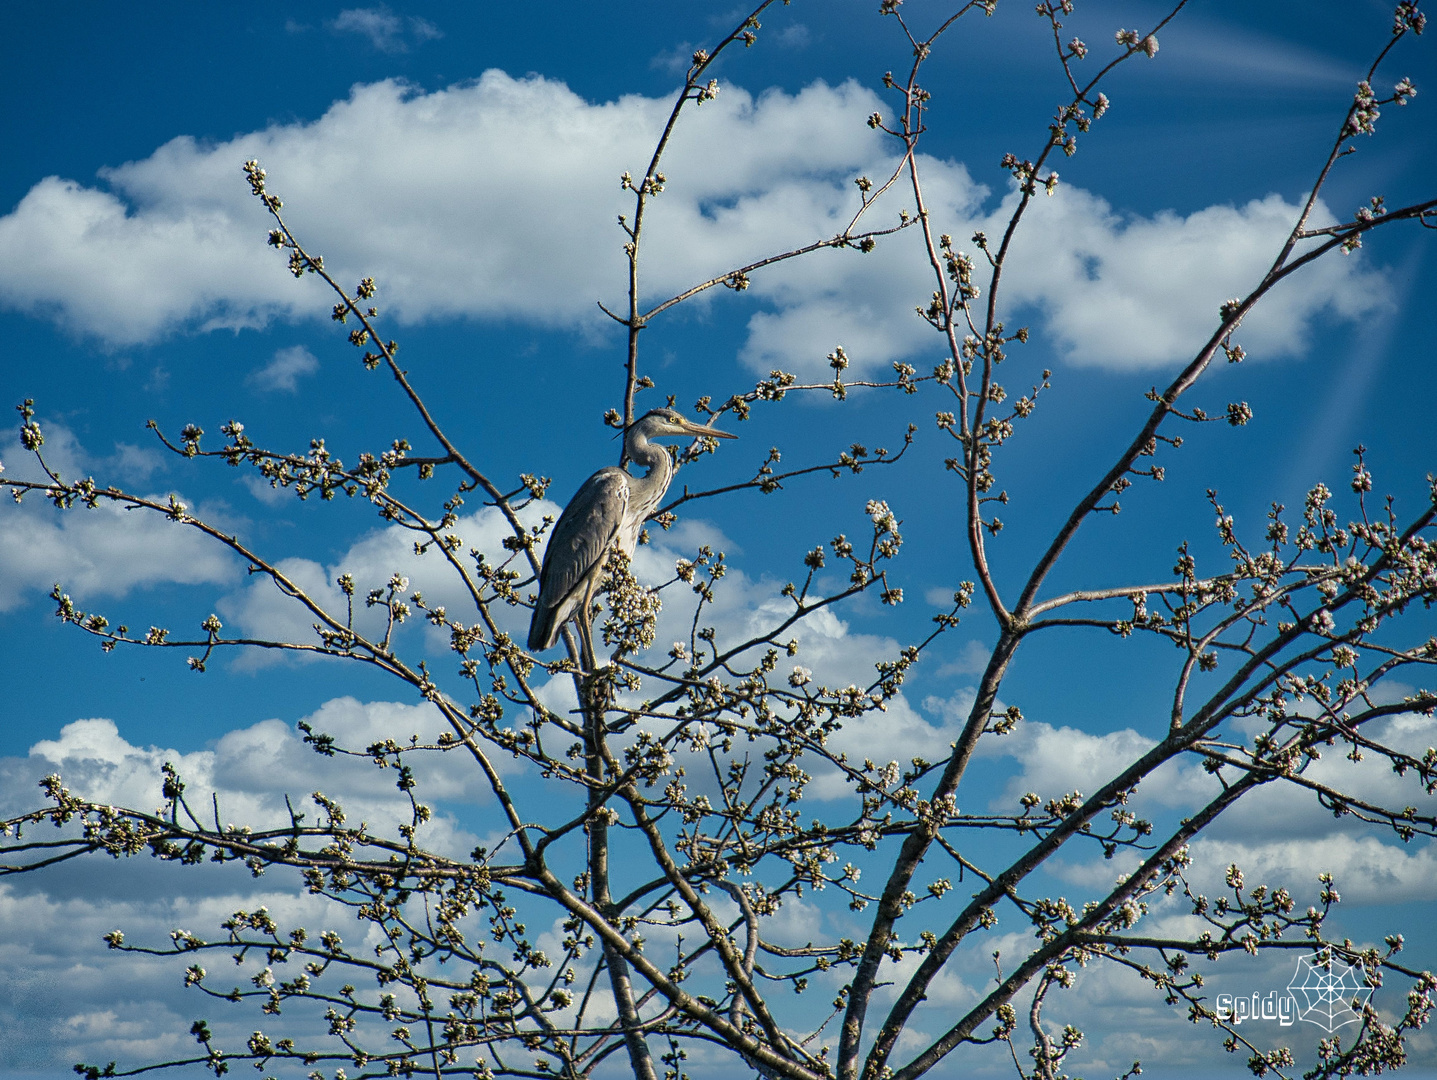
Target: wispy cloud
column 793, row 37
column 385, row 30
column 1247, row 59
column 285, row 370
column 676, row 60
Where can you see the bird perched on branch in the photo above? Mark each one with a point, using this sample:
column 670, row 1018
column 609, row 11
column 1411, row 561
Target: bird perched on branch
column 610, row 509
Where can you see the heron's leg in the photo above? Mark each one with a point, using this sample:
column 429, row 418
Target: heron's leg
column 586, row 630
column 586, row 645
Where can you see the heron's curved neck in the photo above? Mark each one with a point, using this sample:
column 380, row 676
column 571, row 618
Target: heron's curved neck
column 659, row 467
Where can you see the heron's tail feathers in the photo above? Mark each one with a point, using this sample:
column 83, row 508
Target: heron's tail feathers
column 544, row 629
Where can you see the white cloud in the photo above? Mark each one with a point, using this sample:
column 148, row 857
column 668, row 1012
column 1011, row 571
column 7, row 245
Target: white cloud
column 262, row 611
column 65, row 455
column 57, row 1001
column 61, row 450
column 972, row 658
column 135, row 464
column 1366, row 870
column 447, row 232
column 745, row 607
column 1130, row 292
column 795, row 36
column 1279, row 834
column 105, row 551
column 1289, row 811
column 57, row 1004
column 286, row 369
column 459, row 237
column 385, row 30
column 266, row 492
column 748, row 607
column 250, row 770
column 78, row 254
column 1203, row 49
column 1056, row 761
column 423, row 30
column 675, row 60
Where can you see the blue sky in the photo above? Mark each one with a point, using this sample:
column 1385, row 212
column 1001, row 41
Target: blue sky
column 468, row 157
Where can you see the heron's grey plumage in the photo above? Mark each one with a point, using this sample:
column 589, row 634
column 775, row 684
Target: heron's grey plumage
column 609, row 509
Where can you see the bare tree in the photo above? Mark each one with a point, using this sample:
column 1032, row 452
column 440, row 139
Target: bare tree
column 671, row 826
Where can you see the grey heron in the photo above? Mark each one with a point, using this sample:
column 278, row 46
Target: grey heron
column 610, row 508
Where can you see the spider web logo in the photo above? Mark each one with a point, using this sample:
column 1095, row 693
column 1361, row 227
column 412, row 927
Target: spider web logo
column 1331, row 989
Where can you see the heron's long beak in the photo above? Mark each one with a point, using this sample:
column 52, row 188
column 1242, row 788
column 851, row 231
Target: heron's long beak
column 699, row 429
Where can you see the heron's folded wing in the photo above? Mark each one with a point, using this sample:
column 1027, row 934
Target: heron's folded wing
column 583, row 534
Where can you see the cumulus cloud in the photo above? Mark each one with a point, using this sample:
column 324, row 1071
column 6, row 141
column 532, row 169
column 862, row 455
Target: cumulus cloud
column 104, row 551
column 794, row 36
column 1056, row 761
column 745, row 607
column 250, row 770
column 448, row 233
column 1132, row 292
column 1278, row 834
column 57, row 1000
column 80, row 255
column 1049, row 759
column 1366, row 870
column 442, row 225
column 1296, row 813
column 285, row 370
column 675, row 60
column 262, row 611
column 830, row 650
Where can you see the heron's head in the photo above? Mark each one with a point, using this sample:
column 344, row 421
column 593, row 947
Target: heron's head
column 658, row 423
